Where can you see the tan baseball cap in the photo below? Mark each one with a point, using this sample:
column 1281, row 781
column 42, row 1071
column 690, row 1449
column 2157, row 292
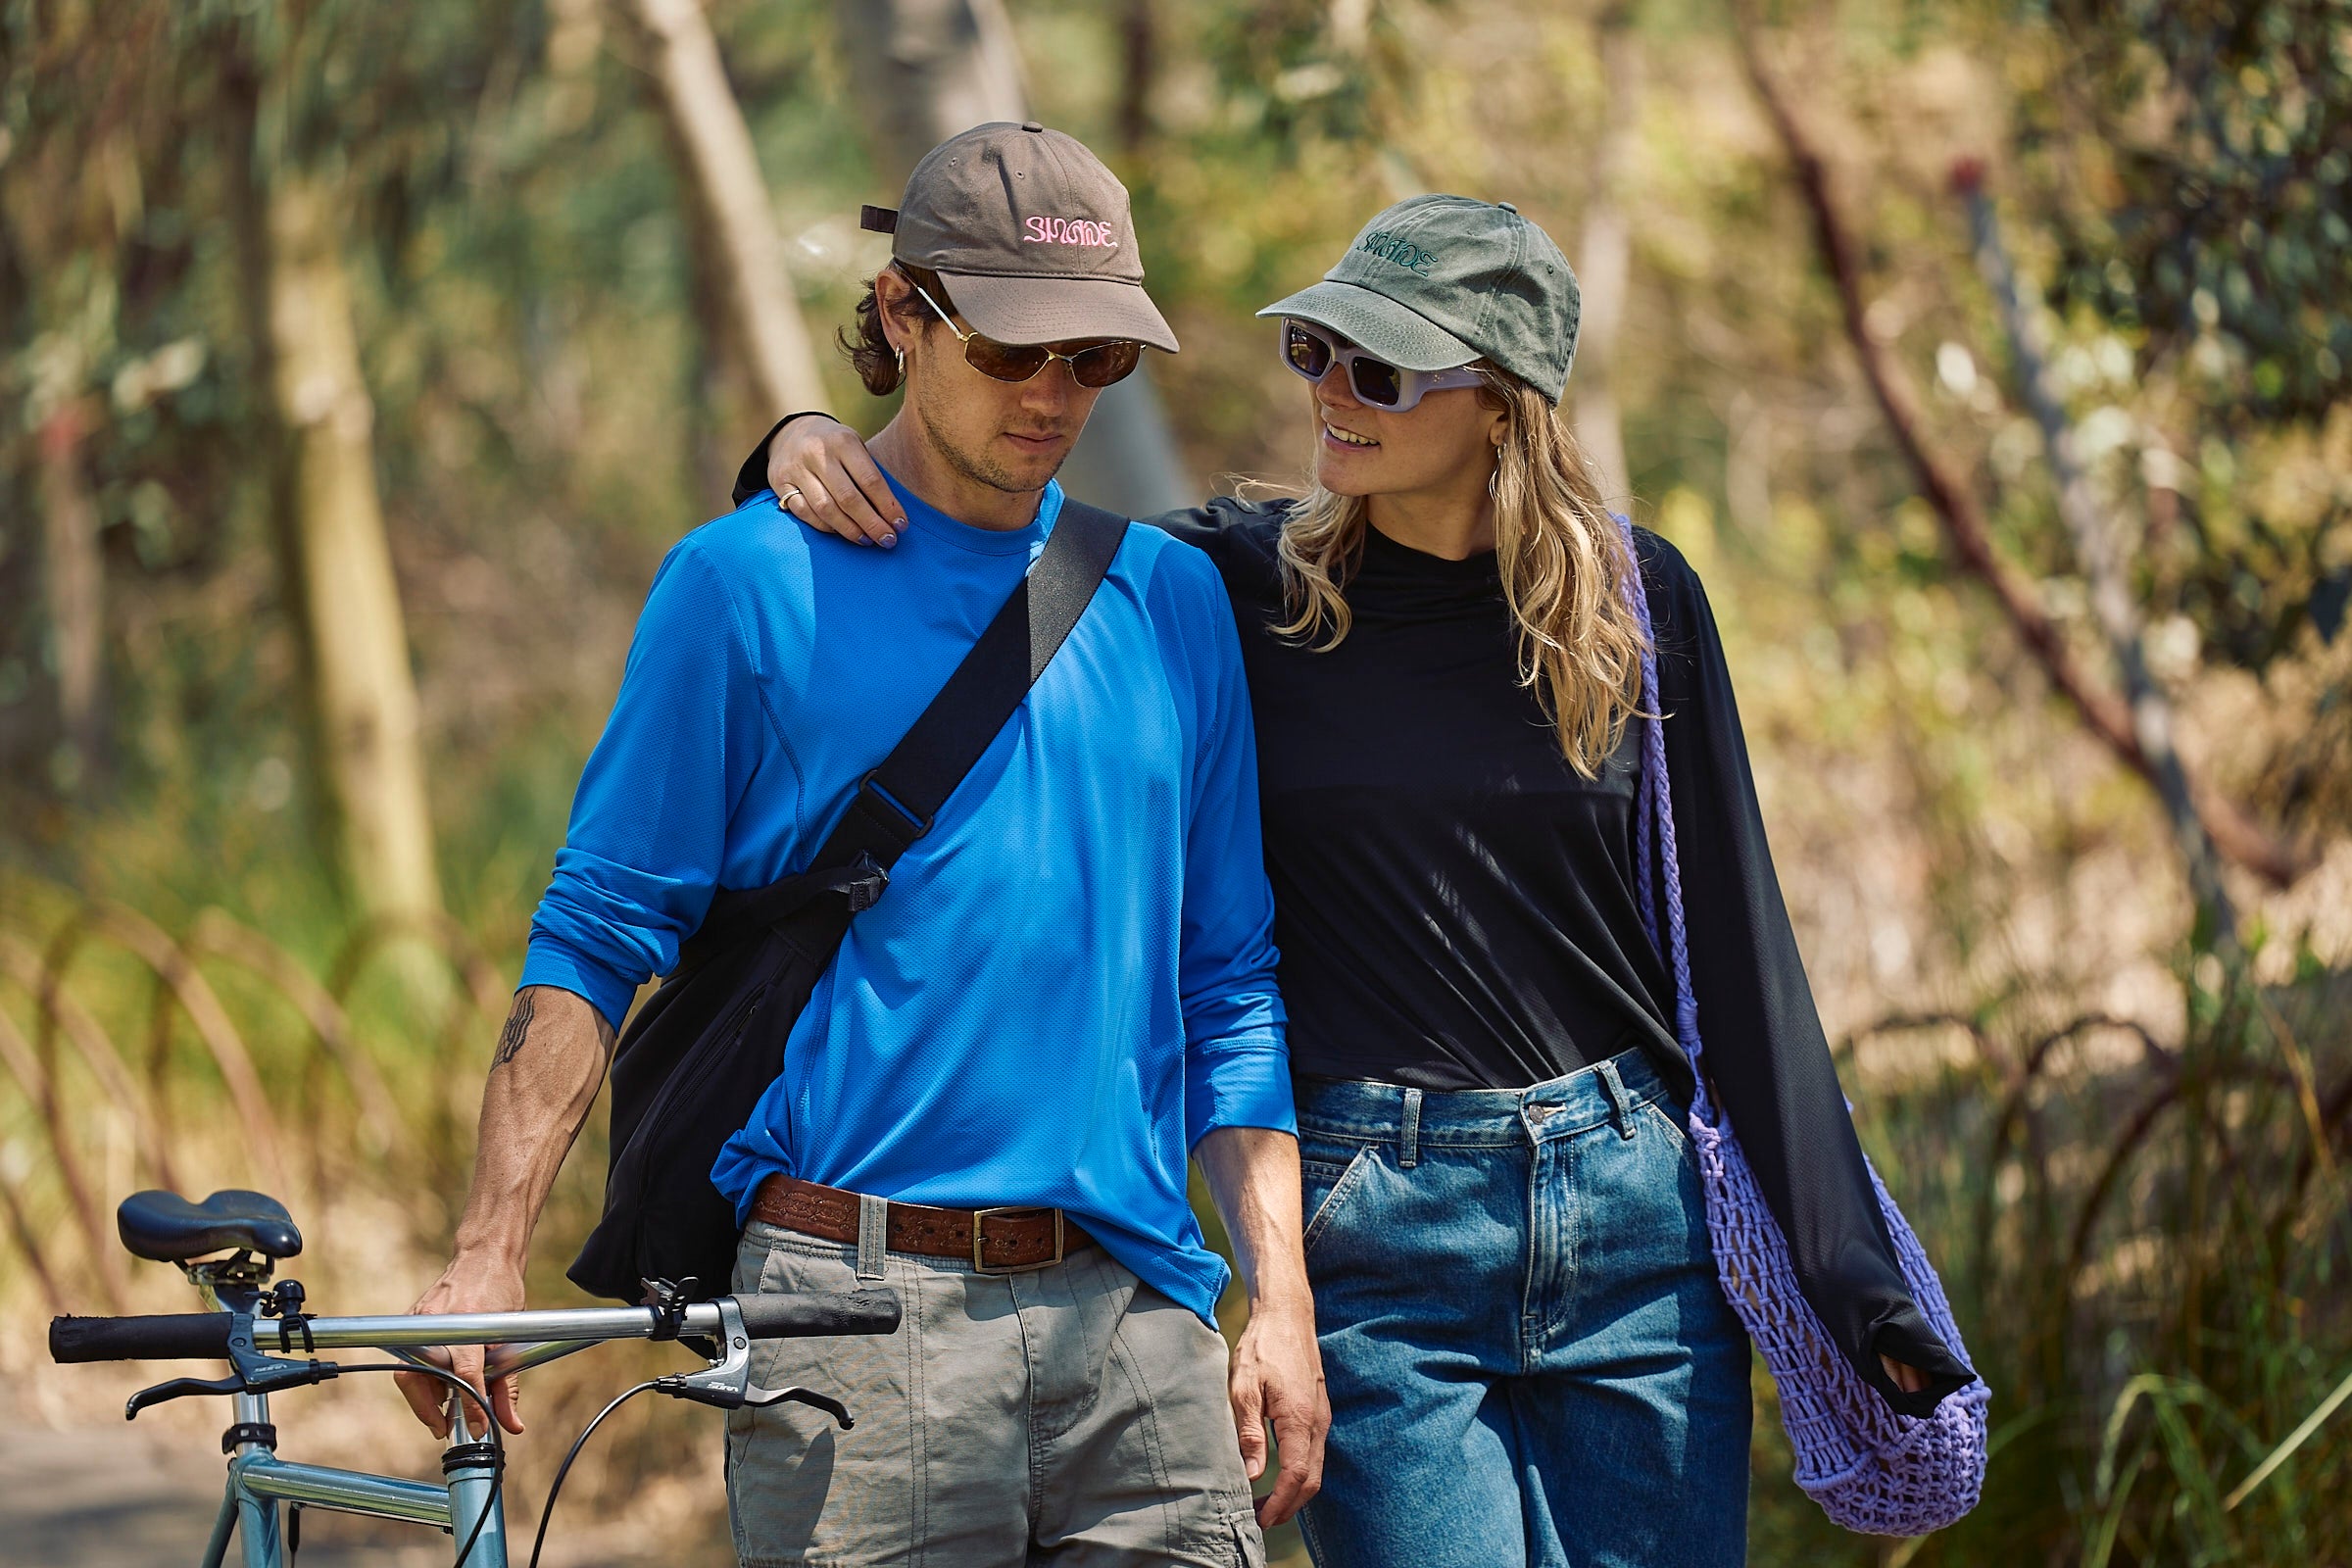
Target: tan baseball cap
column 1031, row 234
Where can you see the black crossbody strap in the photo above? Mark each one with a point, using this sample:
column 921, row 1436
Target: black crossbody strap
column 895, row 802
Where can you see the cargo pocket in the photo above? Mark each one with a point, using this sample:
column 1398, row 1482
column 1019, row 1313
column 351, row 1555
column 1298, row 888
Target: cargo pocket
column 1249, row 1541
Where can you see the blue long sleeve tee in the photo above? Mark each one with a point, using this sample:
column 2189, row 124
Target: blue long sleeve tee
column 1070, row 978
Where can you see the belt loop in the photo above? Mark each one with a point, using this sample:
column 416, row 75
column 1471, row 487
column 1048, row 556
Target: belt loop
column 1408, row 1140
column 873, row 1235
column 1620, row 1102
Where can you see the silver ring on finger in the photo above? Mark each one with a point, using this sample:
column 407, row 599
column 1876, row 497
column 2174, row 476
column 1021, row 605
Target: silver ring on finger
column 786, row 499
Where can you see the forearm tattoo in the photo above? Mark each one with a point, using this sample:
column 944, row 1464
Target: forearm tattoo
column 511, row 1038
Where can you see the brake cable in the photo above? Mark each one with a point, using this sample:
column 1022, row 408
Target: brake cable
column 725, row 1384
column 556, row 1487
column 497, row 1442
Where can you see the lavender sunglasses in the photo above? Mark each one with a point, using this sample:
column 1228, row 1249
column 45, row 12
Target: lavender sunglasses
column 1307, row 350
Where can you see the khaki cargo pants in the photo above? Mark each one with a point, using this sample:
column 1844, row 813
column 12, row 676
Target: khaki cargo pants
column 1073, row 1416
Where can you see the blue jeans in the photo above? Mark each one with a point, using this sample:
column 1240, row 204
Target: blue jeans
column 1529, row 1359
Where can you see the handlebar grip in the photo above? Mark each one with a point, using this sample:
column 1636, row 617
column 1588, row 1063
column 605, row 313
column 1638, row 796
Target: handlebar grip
column 166, row 1336
column 777, row 1317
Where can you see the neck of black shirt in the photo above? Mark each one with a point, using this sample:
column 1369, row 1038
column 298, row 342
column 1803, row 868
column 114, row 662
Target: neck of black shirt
column 1457, row 545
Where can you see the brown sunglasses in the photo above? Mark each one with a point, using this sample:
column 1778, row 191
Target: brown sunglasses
column 1098, row 365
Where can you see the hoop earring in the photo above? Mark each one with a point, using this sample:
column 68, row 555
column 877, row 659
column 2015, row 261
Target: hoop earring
column 1497, row 474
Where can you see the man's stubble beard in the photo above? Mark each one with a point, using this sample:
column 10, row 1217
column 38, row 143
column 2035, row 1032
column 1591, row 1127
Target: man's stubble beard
column 976, row 467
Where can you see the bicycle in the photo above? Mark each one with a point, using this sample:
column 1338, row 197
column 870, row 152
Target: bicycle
column 246, row 1318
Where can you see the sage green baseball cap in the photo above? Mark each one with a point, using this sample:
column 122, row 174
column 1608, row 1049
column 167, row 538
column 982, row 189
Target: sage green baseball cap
column 1437, row 282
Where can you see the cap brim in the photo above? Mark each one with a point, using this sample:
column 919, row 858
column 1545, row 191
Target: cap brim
column 1056, row 310
column 1377, row 324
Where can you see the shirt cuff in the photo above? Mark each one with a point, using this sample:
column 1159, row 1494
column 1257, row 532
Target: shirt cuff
column 1903, row 1333
column 551, row 962
column 1238, row 1083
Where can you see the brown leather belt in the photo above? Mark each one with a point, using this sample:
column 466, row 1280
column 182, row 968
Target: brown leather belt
column 993, row 1241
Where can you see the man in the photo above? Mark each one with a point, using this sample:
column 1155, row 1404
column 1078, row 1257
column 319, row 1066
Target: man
column 1068, row 985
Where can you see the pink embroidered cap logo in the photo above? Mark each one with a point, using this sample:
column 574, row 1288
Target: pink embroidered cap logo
column 1042, row 231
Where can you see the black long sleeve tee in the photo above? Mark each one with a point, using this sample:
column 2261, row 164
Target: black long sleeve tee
column 1456, row 906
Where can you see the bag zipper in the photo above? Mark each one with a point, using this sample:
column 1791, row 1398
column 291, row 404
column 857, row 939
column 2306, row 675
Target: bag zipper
column 694, row 1069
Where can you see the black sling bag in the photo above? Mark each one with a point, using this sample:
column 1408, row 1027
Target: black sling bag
column 699, row 1054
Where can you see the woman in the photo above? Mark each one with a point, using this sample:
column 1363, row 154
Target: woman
column 1529, row 1359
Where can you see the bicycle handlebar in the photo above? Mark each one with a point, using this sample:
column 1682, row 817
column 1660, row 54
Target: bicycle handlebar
column 171, row 1337
column 779, row 1317
column 204, row 1336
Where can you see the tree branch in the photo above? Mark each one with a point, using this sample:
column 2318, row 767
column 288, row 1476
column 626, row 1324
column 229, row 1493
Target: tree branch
column 690, row 84
column 1954, row 503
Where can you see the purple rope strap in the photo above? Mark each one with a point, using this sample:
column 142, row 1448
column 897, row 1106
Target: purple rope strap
column 1870, row 1469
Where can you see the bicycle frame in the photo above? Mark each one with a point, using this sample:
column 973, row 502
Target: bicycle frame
column 247, row 1319
column 259, row 1482
column 468, row 1505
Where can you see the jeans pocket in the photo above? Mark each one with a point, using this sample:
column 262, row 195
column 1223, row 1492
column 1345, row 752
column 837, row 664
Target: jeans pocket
column 1342, row 1181
column 1669, row 1117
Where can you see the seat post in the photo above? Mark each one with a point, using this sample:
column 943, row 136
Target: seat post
column 252, row 1410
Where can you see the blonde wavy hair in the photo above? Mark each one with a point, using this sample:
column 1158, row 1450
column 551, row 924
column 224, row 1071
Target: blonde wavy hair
column 1563, row 565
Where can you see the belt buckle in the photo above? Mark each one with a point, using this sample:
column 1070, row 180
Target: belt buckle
column 980, row 1265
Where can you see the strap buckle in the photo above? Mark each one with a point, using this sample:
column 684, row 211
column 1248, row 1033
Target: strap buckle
column 980, row 1265
column 861, row 882
column 888, row 811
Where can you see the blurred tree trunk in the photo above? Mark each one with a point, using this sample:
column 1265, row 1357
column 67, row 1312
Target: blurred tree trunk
column 729, row 208
column 929, row 69
column 1138, row 70
column 346, row 601
column 1605, row 267
column 2093, row 532
column 717, row 374
column 75, row 584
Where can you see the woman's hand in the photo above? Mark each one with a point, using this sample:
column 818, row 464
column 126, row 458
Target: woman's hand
column 1909, row 1379
column 820, row 472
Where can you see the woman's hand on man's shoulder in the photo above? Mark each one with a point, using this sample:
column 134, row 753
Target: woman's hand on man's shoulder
column 823, row 475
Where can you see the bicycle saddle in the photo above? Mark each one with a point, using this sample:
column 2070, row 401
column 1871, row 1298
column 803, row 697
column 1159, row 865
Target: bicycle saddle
column 168, row 1229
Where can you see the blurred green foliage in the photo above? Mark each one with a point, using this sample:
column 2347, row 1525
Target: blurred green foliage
column 2230, row 129
column 557, row 399
column 2211, row 228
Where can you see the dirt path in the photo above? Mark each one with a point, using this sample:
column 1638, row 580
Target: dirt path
column 100, row 1497
column 116, row 1497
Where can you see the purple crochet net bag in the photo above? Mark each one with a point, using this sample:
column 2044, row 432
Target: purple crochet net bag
column 1870, row 1469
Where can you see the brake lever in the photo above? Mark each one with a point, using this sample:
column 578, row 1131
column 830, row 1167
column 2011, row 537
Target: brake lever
column 255, row 1373
column 177, row 1389
column 761, row 1399
column 726, row 1384
column 258, row 1373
